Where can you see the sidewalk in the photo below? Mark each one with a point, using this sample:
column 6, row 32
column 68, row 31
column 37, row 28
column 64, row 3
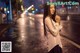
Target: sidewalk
column 68, row 47
column 3, row 28
column 71, row 31
column 70, row 44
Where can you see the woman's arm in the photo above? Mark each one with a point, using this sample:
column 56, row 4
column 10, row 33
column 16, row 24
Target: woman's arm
column 51, row 26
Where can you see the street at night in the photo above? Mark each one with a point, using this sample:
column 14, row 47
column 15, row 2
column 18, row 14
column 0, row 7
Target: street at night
column 27, row 36
column 22, row 25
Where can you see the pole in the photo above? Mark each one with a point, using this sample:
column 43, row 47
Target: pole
column 10, row 11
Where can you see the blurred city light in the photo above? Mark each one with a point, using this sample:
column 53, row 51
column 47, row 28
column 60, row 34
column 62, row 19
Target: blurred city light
column 68, row 18
column 33, row 12
column 5, row 9
column 8, row 11
column 20, row 0
column 22, row 7
column 36, row 9
column 63, row 11
column 32, row 8
column 69, row 7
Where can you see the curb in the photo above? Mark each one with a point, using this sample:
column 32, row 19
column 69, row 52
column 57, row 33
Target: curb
column 70, row 41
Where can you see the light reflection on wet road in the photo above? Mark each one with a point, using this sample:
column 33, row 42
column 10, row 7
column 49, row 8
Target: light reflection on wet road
column 26, row 36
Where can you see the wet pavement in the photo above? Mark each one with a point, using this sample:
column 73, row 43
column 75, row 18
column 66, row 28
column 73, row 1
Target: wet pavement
column 27, row 36
column 3, row 28
column 71, row 28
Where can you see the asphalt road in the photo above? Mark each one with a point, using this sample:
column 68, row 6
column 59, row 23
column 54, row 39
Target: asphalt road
column 27, row 36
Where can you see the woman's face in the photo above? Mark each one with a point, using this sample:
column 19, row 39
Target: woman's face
column 52, row 9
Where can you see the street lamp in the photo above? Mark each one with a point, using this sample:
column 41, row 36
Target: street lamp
column 26, row 11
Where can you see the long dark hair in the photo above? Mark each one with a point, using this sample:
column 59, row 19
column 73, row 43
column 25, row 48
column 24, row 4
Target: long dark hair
column 47, row 13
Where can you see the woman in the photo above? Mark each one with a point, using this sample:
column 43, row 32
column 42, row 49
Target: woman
column 51, row 29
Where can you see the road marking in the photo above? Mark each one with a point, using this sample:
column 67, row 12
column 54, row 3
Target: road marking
column 72, row 42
